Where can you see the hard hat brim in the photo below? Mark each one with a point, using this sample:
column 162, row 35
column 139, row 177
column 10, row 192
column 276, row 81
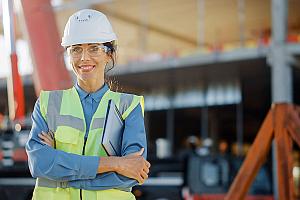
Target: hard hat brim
column 67, row 41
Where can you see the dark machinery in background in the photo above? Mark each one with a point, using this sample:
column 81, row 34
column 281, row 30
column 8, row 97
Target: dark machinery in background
column 15, row 180
column 200, row 177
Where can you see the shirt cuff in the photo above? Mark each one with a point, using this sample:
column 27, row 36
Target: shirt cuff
column 88, row 167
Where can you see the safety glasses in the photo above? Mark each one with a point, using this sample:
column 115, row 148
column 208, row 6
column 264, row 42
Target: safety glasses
column 93, row 50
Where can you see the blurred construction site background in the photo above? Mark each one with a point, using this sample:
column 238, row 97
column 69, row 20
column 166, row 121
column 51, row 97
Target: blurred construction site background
column 209, row 71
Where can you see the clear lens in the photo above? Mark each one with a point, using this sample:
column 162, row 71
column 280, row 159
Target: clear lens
column 92, row 50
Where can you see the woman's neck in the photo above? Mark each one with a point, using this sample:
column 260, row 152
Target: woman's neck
column 90, row 86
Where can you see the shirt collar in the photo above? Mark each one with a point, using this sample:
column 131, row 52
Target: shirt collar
column 95, row 95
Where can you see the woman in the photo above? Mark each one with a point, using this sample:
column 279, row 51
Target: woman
column 64, row 150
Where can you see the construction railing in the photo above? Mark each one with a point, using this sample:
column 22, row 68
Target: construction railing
column 283, row 125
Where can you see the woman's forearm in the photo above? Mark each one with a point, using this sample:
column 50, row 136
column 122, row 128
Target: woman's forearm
column 117, row 172
column 108, row 164
column 46, row 162
column 132, row 166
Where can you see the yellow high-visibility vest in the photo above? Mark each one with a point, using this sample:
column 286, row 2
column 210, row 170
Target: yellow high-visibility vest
column 64, row 115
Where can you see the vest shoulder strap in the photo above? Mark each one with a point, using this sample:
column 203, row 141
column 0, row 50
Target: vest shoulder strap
column 50, row 102
column 128, row 102
column 44, row 96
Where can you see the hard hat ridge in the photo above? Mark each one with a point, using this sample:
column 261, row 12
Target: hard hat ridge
column 87, row 26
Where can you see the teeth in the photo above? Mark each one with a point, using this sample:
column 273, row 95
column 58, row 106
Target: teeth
column 89, row 67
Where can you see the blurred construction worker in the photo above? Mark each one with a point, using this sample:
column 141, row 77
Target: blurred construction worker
column 64, row 148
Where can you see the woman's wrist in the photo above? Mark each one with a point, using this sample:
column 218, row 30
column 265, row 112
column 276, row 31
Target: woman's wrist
column 109, row 164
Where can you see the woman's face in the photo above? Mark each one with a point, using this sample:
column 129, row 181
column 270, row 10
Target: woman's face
column 88, row 61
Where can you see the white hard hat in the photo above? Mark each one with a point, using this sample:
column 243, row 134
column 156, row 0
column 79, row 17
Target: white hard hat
column 87, row 26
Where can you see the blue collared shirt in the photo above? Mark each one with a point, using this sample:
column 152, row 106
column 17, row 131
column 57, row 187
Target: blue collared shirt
column 81, row 171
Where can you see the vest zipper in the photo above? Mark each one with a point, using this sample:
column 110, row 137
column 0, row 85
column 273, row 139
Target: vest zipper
column 85, row 138
column 83, row 150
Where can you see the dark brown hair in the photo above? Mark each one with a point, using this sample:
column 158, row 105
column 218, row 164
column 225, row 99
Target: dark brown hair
column 109, row 80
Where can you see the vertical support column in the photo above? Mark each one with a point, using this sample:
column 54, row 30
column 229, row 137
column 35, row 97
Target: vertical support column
column 281, row 72
column 143, row 29
column 201, row 24
column 241, row 17
column 170, row 128
column 239, row 127
column 14, row 82
column 204, row 112
column 204, row 122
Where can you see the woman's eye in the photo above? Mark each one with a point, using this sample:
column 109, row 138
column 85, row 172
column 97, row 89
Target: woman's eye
column 76, row 49
column 94, row 49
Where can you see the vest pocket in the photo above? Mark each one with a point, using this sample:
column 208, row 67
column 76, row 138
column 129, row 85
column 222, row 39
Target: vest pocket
column 67, row 139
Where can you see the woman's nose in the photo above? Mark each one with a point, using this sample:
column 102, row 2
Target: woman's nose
column 85, row 55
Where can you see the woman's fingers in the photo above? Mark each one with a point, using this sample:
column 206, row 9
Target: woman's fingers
column 47, row 135
column 46, row 138
column 47, row 143
column 141, row 173
column 53, row 138
column 51, row 134
column 144, row 175
column 148, row 164
column 146, row 169
column 42, row 136
column 135, row 167
column 140, row 180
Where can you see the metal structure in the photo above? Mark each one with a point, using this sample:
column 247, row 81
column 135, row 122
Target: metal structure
column 14, row 82
column 50, row 72
column 281, row 72
column 282, row 124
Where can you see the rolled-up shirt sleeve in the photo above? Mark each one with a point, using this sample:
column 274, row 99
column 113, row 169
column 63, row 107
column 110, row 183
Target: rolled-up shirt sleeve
column 47, row 162
column 134, row 138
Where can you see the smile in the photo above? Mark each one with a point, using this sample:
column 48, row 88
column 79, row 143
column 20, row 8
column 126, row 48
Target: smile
column 86, row 68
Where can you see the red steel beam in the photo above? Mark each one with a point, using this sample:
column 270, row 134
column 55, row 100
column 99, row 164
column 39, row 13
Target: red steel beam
column 18, row 89
column 49, row 68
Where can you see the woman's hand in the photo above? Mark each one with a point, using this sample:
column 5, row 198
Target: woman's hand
column 47, row 138
column 134, row 166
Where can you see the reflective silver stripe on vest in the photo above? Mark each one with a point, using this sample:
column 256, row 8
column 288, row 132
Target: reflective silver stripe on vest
column 97, row 123
column 54, row 119
column 42, row 182
column 125, row 101
column 68, row 120
column 54, row 104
